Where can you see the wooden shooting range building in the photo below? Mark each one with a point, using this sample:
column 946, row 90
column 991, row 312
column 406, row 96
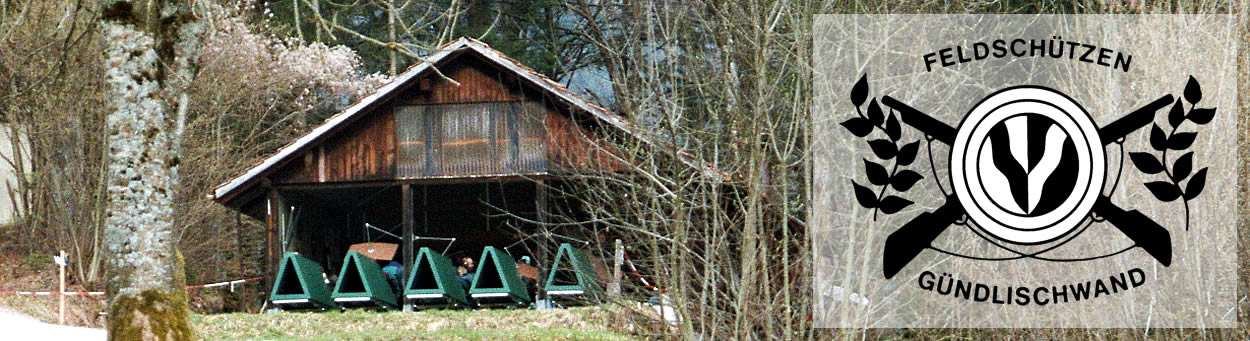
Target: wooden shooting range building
column 438, row 152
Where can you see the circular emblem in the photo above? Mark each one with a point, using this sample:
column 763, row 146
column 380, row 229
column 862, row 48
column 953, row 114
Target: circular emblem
column 1027, row 164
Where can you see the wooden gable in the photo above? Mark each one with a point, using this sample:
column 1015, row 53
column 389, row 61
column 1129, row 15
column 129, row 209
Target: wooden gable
column 367, row 143
column 478, row 83
column 490, row 124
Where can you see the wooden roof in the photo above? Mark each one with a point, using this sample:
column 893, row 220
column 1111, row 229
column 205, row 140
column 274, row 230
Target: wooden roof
column 428, row 67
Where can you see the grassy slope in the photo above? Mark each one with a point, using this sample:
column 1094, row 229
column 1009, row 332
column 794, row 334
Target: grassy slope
column 565, row 324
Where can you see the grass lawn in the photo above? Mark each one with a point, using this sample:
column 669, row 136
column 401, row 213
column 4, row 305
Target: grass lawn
column 587, row 323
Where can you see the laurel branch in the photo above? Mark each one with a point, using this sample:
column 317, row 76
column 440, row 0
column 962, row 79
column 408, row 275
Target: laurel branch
column 886, row 149
column 1170, row 189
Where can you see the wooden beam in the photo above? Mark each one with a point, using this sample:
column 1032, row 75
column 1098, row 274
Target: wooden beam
column 272, row 211
column 321, row 163
column 424, row 181
column 540, row 202
column 409, row 221
column 238, row 236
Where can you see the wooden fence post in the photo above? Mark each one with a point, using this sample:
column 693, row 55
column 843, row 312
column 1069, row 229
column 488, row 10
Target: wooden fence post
column 60, row 262
column 614, row 288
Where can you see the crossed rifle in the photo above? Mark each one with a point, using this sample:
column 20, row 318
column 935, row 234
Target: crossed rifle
column 908, row 241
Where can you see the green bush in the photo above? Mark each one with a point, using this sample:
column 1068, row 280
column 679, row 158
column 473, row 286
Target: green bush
column 37, row 261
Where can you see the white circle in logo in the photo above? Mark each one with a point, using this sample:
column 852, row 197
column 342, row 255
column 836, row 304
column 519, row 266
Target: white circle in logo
column 1011, row 152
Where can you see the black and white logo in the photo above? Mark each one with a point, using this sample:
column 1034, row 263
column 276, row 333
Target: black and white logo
column 1028, row 166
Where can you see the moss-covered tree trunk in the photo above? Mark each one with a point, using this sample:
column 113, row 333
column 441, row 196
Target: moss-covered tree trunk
column 150, row 49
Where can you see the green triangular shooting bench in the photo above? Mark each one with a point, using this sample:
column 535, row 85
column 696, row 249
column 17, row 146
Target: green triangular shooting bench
column 300, row 284
column 572, row 277
column 434, row 281
column 496, row 280
column 361, row 282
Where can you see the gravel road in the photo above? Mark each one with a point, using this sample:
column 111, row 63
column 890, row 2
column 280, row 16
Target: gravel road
column 16, row 326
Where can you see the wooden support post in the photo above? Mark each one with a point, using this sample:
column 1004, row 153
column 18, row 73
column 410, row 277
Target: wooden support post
column 272, row 213
column 60, row 262
column 238, row 236
column 321, row 163
column 614, row 288
column 540, row 203
column 406, row 191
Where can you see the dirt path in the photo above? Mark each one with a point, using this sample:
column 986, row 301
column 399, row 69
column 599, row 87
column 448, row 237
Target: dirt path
column 16, row 326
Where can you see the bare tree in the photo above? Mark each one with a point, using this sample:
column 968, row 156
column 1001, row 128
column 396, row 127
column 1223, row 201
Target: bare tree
column 150, row 50
column 711, row 85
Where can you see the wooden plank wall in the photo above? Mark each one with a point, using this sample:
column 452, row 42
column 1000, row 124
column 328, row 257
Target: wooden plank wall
column 574, row 147
column 302, row 170
column 477, row 84
column 368, row 149
column 365, row 150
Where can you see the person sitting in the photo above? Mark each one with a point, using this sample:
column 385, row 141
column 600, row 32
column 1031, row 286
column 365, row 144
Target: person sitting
column 529, row 276
column 394, row 271
column 465, row 271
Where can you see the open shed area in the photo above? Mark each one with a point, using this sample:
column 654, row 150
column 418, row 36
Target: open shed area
column 458, row 153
